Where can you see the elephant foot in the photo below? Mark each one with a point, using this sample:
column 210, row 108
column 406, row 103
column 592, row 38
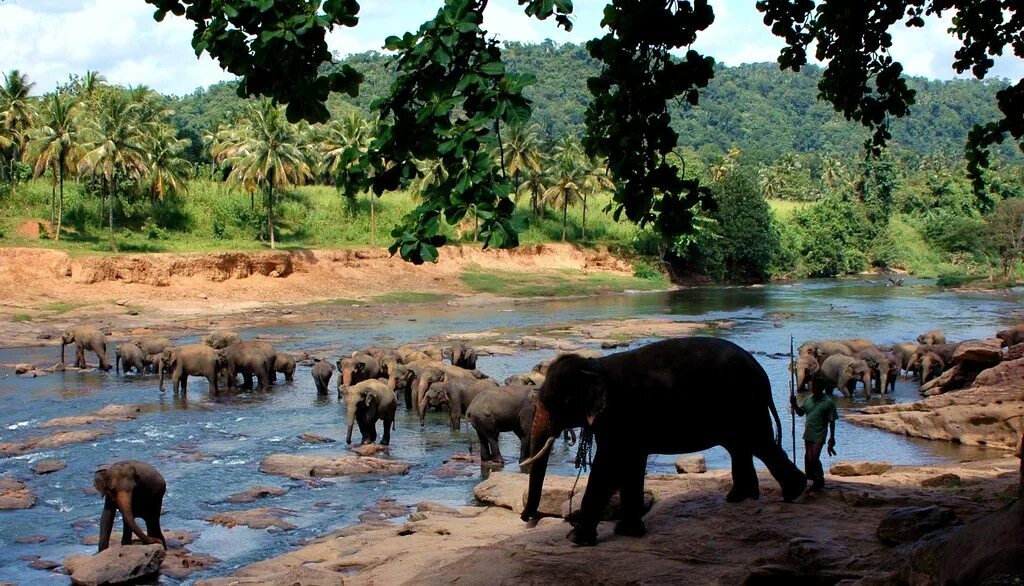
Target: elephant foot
column 630, row 528
column 794, row 489
column 737, row 495
column 586, row 536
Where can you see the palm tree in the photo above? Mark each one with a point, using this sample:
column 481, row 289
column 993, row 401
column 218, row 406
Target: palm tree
column 16, row 113
column 168, row 171
column 267, row 154
column 568, row 174
column 832, row 171
column 116, row 146
column 773, row 182
column 595, row 180
column 90, row 82
column 522, row 151
column 57, row 145
column 535, row 184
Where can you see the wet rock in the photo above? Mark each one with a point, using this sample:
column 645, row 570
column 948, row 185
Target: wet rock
column 287, row 576
column 30, row 539
column 303, row 467
column 44, row 565
column 692, row 464
column 110, row 413
column 612, row 344
column 115, row 565
column 56, row 440
column 15, row 495
column 259, row 518
column 175, row 539
column 908, row 524
column 432, row 507
column 456, row 469
column 23, row 368
column 255, row 493
column 182, row 564
column 949, row 480
column 48, row 466
column 981, row 351
column 369, row 449
column 312, row 438
column 859, row 468
column 388, row 508
column 547, row 343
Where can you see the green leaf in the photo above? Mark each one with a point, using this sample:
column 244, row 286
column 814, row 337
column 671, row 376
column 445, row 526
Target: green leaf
column 493, row 68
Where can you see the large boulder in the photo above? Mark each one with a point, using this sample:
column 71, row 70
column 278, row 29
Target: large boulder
column 908, row 524
column 15, row 495
column 859, row 468
column 691, row 464
column 48, row 466
column 52, row 441
column 981, row 351
column 260, row 518
column 255, row 493
column 116, row 565
column 304, row 467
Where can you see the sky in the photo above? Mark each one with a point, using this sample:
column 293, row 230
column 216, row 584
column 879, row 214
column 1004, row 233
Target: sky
column 50, row 39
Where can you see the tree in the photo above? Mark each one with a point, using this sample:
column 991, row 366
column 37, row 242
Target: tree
column 522, row 152
column 568, row 174
column 596, row 179
column 1005, row 231
column 89, row 83
column 16, row 114
column 168, row 171
column 265, row 152
column 57, row 145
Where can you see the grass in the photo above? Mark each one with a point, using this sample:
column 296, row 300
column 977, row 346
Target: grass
column 784, row 208
column 554, row 283
column 21, row 318
column 59, row 307
column 409, row 297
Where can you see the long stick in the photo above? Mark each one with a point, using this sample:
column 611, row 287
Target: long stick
column 792, row 394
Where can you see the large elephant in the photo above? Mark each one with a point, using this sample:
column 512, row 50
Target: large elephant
column 533, row 379
column 459, row 393
column 409, row 355
column 436, row 372
column 131, row 356
column 658, row 399
column 945, row 352
column 401, row 379
column 191, row 360
column 323, row 370
column 368, row 402
column 805, row 368
column 152, row 344
column 932, row 365
column 882, row 365
column 822, row 349
column 221, row 339
column 357, row 368
column 843, row 372
column 136, row 489
column 463, row 356
column 85, row 337
column 904, row 352
column 1011, row 336
column 285, row 364
column 857, row 345
column 932, row 337
column 498, row 410
column 250, row 359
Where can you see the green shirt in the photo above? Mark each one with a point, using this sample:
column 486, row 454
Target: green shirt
column 818, row 414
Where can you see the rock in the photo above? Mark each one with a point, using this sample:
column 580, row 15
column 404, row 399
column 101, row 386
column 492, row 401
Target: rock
column 369, row 449
column 15, row 495
column 44, row 565
column 983, row 351
column 259, row 518
column 313, row 438
column 548, row 343
column 48, row 466
column 303, row 467
column 182, row 564
column 175, row 539
column 908, row 524
column 503, row 489
column 456, row 469
column 115, row 565
column 859, row 468
column 110, row 413
column 432, row 507
column 612, row 511
column 692, row 464
column 509, row 490
column 56, row 440
column 121, row 302
column 942, row 480
column 255, row 493
column 301, row 575
column 29, row 539
column 388, row 508
column 23, row 368
column 612, row 344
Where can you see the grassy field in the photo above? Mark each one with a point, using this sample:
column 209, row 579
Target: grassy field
column 214, row 216
column 784, row 208
column 555, row 283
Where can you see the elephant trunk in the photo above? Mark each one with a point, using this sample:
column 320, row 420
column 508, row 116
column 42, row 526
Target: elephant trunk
column 351, row 405
column 62, row 345
column 124, row 504
column 160, row 367
column 542, row 434
column 117, row 363
column 346, row 377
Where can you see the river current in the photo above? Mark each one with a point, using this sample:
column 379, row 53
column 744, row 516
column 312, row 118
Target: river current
column 235, row 434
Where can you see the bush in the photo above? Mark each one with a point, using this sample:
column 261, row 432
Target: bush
column 645, row 243
column 643, row 269
column 834, row 235
column 952, row 279
column 951, row 231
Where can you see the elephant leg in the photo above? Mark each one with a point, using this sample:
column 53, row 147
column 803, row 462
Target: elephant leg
column 184, row 384
column 492, row 445
column 126, row 531
column 388, row 423
column 744, row 477
column 211, row 379
column 153, row 528
column 485, row 446
column 247, row 380
column 600, row 487
column 106, row 523
column 408, row 397
column 631, row 491
column 175, row 380
column 79, row 356
column 785, row 472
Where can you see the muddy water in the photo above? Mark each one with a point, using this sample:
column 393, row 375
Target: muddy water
column 232, row 436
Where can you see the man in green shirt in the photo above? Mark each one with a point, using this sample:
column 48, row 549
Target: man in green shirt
column 820, row 416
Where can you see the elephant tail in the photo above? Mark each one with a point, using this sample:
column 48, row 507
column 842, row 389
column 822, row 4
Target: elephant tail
column 778, row 422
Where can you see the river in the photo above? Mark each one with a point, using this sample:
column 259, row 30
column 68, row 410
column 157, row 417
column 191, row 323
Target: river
column 235, row 434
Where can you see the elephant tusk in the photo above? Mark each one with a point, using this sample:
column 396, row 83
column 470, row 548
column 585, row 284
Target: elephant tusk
column 543, row 451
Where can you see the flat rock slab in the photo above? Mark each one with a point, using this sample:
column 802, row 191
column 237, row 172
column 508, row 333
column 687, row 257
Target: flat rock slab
column 981, row 351
column 859, row 468
column 15, row 495
column 303, row 467
column 369, row 449
column 52, row 441
column 948, row 480
column 509, row 490
column 175, row 539
column 312, row 438
column 30, row 539
column 285, row 576
column 115, row 565
column 255, row 493
column 908, row 524
column 113, row 412
column 48, row 466
column 260, row 518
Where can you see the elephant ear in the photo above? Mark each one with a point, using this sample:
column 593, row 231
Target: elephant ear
column 369, row 398
column 595, row 391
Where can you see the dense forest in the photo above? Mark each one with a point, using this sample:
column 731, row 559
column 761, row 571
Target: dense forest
column 130, row 169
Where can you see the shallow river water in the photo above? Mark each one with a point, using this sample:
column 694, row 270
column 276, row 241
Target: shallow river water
column 237, row 433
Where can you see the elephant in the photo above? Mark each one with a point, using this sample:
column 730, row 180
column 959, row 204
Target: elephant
column 463, row 356
column 943, row 351
column 323, row 370
column 433, row 353
column 843, row 372
column 401, row 379
column 882, row 366
column 657, row 399
column 822, row 349
column 458, row 393
column 858, row 345
column 250, row 359
column 221, row 339
column 436, row 372
column 191, row 360
column 409, row 355
column 894, row 373
column 136, row 489
column 285, row 364
column 357, row 368
column 152, row 344
column 533, row 379
column 85, row 337
column 1011, row 336
column 932, row 365
column 131, row 356
column 805, row 368
column 932, row 337
column 502, row 409
column 385, row 356
column 367, row 402
column 904, row 352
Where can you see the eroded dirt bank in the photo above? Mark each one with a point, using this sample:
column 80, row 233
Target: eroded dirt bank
column 694, row 536
column 182, row 291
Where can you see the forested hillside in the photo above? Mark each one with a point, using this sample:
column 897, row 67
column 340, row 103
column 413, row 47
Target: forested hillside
column 765, row 112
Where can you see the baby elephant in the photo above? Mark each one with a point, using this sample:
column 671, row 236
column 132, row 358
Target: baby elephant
column 1011, row 336
column 932, row 337
column 85, row 338
column 367, row 402
column 464, row 356
column 136, row 489
column 323, row 370
column 285, row 364
column 131, row 356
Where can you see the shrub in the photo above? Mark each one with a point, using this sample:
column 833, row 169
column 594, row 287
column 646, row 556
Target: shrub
column 643, row 269
column 834, row 235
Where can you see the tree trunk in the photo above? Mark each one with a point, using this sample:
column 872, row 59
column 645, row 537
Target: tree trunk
column 584, row 236
column 476, row 225
column 110, row 212
column 60, row 203
column 373, row 223
column 270, row 215
column 53, row 198
column 565, row 215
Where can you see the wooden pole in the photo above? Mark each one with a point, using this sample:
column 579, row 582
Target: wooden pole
column 792, row 395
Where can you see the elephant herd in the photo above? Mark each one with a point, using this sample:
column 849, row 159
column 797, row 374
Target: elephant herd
column 841, row 364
